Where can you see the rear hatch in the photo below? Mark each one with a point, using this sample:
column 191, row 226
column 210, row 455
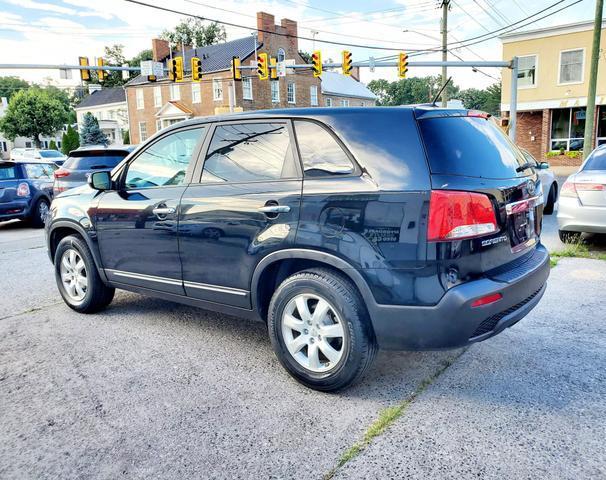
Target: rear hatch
column 500, row 196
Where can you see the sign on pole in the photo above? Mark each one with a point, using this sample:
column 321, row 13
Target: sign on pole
column 151, row 68
column 281, row 69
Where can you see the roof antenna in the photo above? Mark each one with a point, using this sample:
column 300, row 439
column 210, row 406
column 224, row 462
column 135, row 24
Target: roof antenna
column 433, row 102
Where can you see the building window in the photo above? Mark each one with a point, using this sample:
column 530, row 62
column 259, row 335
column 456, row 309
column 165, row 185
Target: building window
column 5, row 147
column 313, row 95
column 527, row 71
column 142, row 131
column 601, row 137
column 217, row 89
column 196, row 96
column 281, row 55
column 328, row 102
column 275, row 91
column 140, row 102
column 291, row 93
column 175, row 92
column 567, row 128
column 571, row 66
column 345, row 103
column 157, row 96
column 247, row 93
column 158, row 125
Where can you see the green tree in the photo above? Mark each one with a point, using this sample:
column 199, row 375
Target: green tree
column 409, row 91
column 70, row 140
column 195, row 33
column 141, row 56
column 487, row 100
column 11, row 85
column 31, row 113
column 52, row 145
column 126, row 137
column 90, row 133
column 306, row 56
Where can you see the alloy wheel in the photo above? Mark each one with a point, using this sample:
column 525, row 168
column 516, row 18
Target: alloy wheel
column 73, row 275
column 42, row 211
column 313, row 332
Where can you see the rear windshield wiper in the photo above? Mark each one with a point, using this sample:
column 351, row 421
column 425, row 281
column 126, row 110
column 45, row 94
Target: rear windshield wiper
column 524, row 166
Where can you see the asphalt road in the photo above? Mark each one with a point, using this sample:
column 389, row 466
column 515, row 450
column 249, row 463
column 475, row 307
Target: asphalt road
column 153, row 389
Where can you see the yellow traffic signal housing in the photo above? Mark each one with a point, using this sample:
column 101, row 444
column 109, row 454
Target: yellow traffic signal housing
column 316, row 61
column 273, row 68
column 101, row 74
column 236, row 73
column 346, row 63
column 84, row 74
column 175, row 71
column 262, row 66
column 403, row 65
column 196, row 69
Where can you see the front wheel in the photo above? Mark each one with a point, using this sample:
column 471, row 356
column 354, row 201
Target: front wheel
column 77, row 278
column 551, row 199
column 320, row 330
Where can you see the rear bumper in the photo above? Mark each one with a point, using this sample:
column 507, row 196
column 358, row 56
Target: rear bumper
column 574, row 217
column 18, row 209
column 453, row 322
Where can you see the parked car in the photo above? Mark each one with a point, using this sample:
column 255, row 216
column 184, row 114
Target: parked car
column 26, row 191
column 45, row 155
column 346, row 230
column 582, row 206
column 17, row 154
column 548, row 182
column 81, row 162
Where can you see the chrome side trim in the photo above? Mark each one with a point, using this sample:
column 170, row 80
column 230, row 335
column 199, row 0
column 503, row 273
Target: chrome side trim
column 148, row 278
column 215, row 288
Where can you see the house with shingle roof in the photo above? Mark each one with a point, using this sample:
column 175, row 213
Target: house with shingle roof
column 108, row 106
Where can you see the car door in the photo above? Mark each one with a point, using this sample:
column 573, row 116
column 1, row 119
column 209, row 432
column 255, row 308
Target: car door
column 244, row 205
column 137, row 222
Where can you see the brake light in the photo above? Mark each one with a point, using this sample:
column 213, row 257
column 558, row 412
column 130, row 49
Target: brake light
column 487, row 300
column 23, row 190
column 571, row 189
column 60, row 173
column 478, row 114
column 457, row 215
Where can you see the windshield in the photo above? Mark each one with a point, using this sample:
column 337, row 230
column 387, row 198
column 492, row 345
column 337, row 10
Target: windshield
column 50, row 154
column 597, row 160
column 470, row 146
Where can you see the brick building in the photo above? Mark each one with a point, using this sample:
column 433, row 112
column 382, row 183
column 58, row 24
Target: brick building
column 155, row 105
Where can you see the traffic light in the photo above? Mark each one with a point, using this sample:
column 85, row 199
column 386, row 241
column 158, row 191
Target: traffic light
column 262, row 66
column 175, row 70
column 84, row 74
column 403, row 65
column 316, row 60
column 236, row 73
column 101, row 74
column 346, row 63
column 196, row 69
column 273, row 68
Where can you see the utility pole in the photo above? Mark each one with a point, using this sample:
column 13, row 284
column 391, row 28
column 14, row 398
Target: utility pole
column 593, row 78
column 445, row 5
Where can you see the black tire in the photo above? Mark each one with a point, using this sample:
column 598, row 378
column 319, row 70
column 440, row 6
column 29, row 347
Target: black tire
column 569, row 237
column 38, row 216
column 97, row 295
column 358, row 345
column 551, row 199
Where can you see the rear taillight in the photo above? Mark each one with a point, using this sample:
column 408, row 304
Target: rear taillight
column 457, row 215
column 23, row 190
column 571, row 189
column 60, row 173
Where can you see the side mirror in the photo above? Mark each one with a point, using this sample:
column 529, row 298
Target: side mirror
column 543, row 165
column 100, row 181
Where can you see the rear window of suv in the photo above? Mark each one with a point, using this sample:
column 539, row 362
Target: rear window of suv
column 470, row 146
column 94, row 160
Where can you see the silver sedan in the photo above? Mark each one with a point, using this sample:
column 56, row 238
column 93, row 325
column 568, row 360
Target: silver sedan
column 582, row 204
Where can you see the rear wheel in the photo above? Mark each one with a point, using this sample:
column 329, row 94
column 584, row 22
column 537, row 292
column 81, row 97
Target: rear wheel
column 569, row 237
column 551, row 199
column 320, row 330
column 39, row 213
column 77, row 277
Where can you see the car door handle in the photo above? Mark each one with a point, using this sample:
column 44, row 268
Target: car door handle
column 163, row 211
column 275, row 209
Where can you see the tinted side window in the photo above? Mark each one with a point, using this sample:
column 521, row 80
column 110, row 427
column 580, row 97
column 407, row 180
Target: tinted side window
column 249, row 152
column 8, row 173
column 320, row 152
column 164, row 162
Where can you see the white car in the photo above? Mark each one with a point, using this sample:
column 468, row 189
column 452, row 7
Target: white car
column 34, row 155
column 548, row 182
column 17, row 154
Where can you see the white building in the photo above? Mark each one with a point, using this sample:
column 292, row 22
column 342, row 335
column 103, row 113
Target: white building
column 108, row 106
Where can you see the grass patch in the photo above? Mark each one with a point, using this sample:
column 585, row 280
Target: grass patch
column 553, row 262
column 576, row 250
column 387, row 416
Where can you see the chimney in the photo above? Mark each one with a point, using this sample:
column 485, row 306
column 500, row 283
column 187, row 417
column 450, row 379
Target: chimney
column 265, row 21
column 160, row 49
column 290, row 28
column 355, row 73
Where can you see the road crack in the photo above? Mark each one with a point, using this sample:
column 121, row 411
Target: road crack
column 30, row 310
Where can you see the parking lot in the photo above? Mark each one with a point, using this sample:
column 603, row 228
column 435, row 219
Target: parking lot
column 153, row 389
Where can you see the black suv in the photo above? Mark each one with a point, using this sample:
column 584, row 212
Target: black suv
column 344, row 229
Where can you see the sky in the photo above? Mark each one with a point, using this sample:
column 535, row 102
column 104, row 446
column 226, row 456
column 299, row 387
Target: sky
column 59, row 31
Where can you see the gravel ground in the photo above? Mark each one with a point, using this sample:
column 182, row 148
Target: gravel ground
column 153, row 389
